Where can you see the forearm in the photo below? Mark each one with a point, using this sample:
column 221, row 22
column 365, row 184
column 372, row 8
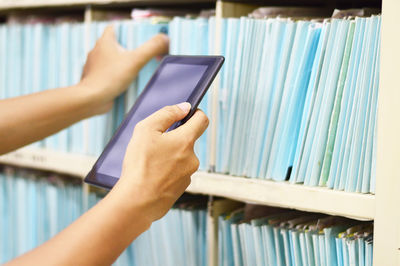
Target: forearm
column 96, row 238
column 29, row 118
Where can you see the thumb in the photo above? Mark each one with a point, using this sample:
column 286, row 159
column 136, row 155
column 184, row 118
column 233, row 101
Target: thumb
column 157, row 45
column 167, row 116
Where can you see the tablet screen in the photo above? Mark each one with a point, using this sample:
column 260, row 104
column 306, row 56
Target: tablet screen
column 173, row 84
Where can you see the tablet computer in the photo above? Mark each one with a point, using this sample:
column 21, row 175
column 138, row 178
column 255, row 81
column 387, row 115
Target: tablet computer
column 177, row 79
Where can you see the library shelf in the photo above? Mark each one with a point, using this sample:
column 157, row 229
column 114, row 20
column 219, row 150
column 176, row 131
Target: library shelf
column 281, row 194
column 28, row 4
column 47, row 160
column 382, row 207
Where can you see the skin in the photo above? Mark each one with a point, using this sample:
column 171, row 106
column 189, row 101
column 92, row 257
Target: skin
column 156, row 168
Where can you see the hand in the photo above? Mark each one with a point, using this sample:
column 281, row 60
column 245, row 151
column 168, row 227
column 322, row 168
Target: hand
column 110, row 69
column 158, row 164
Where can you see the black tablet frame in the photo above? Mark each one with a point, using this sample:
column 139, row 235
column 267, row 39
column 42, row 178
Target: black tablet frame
column 214, row 64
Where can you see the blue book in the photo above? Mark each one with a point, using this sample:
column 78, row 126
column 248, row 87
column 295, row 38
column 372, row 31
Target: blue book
column 276, row 97
column 226, row 163
column 337, row 108
column 287, row 128
column 225, row 94
column 303, row 148
column 350, row 118
column 360, row 110
column 327, row 88
column 364, row 170
column 259, row 29
column 314, row 132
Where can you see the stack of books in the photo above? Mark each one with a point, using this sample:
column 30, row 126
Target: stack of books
column 262, row 235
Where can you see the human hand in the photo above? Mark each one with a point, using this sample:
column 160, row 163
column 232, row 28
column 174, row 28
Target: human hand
column 158, row 164
column 109, row 68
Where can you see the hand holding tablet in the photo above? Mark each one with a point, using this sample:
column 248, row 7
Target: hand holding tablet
column 158, row 164
column 178, row 79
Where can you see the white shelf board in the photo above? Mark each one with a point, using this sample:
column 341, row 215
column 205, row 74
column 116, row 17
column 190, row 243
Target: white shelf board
column 280, row 194
column 47, row 160
column 23, row 4
column 283, row 194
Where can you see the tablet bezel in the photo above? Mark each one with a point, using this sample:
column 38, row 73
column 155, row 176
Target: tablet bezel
column 213, row 63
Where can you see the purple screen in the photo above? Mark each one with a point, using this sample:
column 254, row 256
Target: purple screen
column 173, row 84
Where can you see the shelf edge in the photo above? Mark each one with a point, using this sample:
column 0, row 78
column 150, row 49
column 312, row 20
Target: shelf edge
column 281, row 194
column 27, row 4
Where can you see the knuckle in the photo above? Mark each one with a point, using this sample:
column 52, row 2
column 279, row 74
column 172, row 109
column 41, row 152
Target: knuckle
column 171, row 110
column 139, row 126
column 203, row 117
column 187, row 143
column 186, row 181
column 196, row 163
column 206, row 120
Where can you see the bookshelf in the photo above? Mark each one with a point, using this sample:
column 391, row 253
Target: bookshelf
column 34, row 4
column 52, row 161
column 281, row 194
column 382, row 207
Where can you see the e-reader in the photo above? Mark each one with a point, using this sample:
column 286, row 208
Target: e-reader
column 177, row 79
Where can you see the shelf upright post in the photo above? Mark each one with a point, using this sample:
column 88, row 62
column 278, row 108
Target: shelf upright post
column 216, row 207
column 214, row 95
column 387, row 218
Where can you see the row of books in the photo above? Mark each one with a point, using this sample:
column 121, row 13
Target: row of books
column 298, row 101
column 179, row 238
column 40, row 56
column 297, row 98
column 259, row 235
column 35, row 206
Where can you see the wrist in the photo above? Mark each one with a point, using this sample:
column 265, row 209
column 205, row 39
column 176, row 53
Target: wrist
column 135, row 201
column 93, row 98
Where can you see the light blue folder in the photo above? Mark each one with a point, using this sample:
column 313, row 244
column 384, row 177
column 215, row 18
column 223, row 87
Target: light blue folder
column 275, row 97
column 364, row 172
column 365, row 87
column 226, row 95
column 349, row 124
column 286, row 135
column 337, row 107
column 348, row 95
column 302, row 151
column 271, row 52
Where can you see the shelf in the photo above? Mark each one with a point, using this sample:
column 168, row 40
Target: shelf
column 47, row 160
column 28, row 4
column 281, row 194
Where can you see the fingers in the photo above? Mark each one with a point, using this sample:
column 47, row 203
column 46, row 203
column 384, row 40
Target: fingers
column 194, row 127
column 158, row 45
column 109, row 33
column 166, row 117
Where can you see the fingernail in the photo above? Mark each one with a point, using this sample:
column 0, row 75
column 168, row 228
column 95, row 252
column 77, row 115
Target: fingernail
column 185, row 106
